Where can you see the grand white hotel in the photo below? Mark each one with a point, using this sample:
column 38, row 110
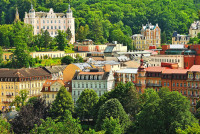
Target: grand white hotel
column 51, row 21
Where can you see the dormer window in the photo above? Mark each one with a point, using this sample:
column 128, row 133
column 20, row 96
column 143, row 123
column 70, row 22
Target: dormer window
column 78, row 77
column 86, row 77
column 100, row 77
column 46, row 88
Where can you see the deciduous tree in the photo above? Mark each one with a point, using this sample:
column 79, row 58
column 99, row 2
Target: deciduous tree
column 85, row 104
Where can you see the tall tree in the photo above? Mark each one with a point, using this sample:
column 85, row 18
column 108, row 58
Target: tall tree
column 163, row 38
column 69, row 34
column 62, row 102
column 29, row 115
column 112, row 126
column 21, row 99
column 97, row 31
column 1, row 54
column 113, row 108
column 5, row 127
column 46, row 39
column 61, row 40
column 69, row 125
column 163, row 112
column 82, row 32
column 85, row 104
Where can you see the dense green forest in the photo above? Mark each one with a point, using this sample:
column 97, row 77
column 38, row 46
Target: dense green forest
column 108, row 20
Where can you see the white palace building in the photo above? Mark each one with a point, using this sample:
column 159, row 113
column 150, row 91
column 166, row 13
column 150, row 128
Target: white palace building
column 51, row 21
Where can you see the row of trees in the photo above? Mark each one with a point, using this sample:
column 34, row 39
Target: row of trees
column 10, row 35
column 100, row 20
column 122, row 110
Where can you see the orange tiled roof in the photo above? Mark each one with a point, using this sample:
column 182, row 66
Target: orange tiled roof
column 92, row 73
column 175, row 71
column 50, row 82
column 155, row 69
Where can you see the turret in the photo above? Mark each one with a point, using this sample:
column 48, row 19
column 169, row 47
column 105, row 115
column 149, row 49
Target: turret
column 69, row 12
column 32, row 12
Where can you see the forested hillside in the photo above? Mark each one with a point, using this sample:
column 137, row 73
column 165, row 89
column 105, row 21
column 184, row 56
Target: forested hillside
column 107, row 20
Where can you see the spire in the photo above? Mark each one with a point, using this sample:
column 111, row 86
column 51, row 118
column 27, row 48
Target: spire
column 31, row 5
column 16, row 15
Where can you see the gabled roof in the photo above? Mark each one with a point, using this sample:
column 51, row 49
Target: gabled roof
column 56, row 69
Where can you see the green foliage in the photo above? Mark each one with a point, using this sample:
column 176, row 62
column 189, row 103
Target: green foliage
column 112, row 108
column 67, row 60
column 112, row 126
column 85, row 104
column 61, row 40
column 82, row 32
column 29, row 115
column 163, row 37
column 1, row 55
column 20, row 100
column 62, row 103
column 69, row 125
column 31, row 100
column 163, row 112
column 78, row 59
column 69, row 34
column 5, row 127
column 194, row 129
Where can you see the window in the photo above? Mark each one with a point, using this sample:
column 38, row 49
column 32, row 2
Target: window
column 47, row 95
column 59, row 21
column 164, row 83
column 51, row 27
column 59, row 27
column 181, row 84
column 47, row 27
column 55, row 27
column 56, row 89
column 177, row 84
column 52, row 89
column 37, row 27
column 99, row 93
column 82, row 85
column 51, row 21
column 168, row 84
column 43, row 21
column 173, row 84
column 184, row 84
column 47, row 21
column 78, row 93
column 52, row 95
column 74, row 92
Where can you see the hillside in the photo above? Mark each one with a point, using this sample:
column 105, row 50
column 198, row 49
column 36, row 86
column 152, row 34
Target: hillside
column 107, row 20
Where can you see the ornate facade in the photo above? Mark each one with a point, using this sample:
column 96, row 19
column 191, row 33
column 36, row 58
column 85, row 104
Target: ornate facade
column 194, row 29
column 51, row 21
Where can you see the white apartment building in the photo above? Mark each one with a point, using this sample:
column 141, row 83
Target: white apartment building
column 194, row 29
column 51, row 21
column 157, row 59
column 100, row 82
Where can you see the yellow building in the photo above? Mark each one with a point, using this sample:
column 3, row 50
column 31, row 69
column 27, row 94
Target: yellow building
column 139, row 42
column 51, row 88
column 14, row 80
column 180, row 39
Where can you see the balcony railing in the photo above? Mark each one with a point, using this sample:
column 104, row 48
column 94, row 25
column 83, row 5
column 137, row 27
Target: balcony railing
column 6, row 102
column 193, row 87
column 194, row 96
column 9, row 95
column 153, row 85
column 138, row 84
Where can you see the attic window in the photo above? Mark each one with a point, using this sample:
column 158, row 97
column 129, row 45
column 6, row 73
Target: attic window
column 46, row 88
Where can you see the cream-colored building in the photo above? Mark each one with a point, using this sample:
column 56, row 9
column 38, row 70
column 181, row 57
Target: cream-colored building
column 51, row 88
column 49, row 54
column 50, row 21
column 14, row 80
column 194, row 29
column 157, row 59
column 139, row 42
column 180, row 39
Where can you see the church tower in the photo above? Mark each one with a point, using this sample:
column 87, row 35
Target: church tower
column 17, row 15
column 71, row 23
column 32, row 18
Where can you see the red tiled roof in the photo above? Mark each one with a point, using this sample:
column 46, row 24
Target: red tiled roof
column 195, row 68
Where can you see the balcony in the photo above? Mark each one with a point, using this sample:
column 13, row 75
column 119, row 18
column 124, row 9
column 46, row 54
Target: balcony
column 138, row 84
column 9, row 95
column 193, row 104
column 153, row 85
column 6, row 102
column 194, row 96
column 193, row 88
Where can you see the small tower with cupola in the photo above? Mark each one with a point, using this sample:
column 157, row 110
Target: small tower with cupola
column 141, row 77
column 70, row 23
